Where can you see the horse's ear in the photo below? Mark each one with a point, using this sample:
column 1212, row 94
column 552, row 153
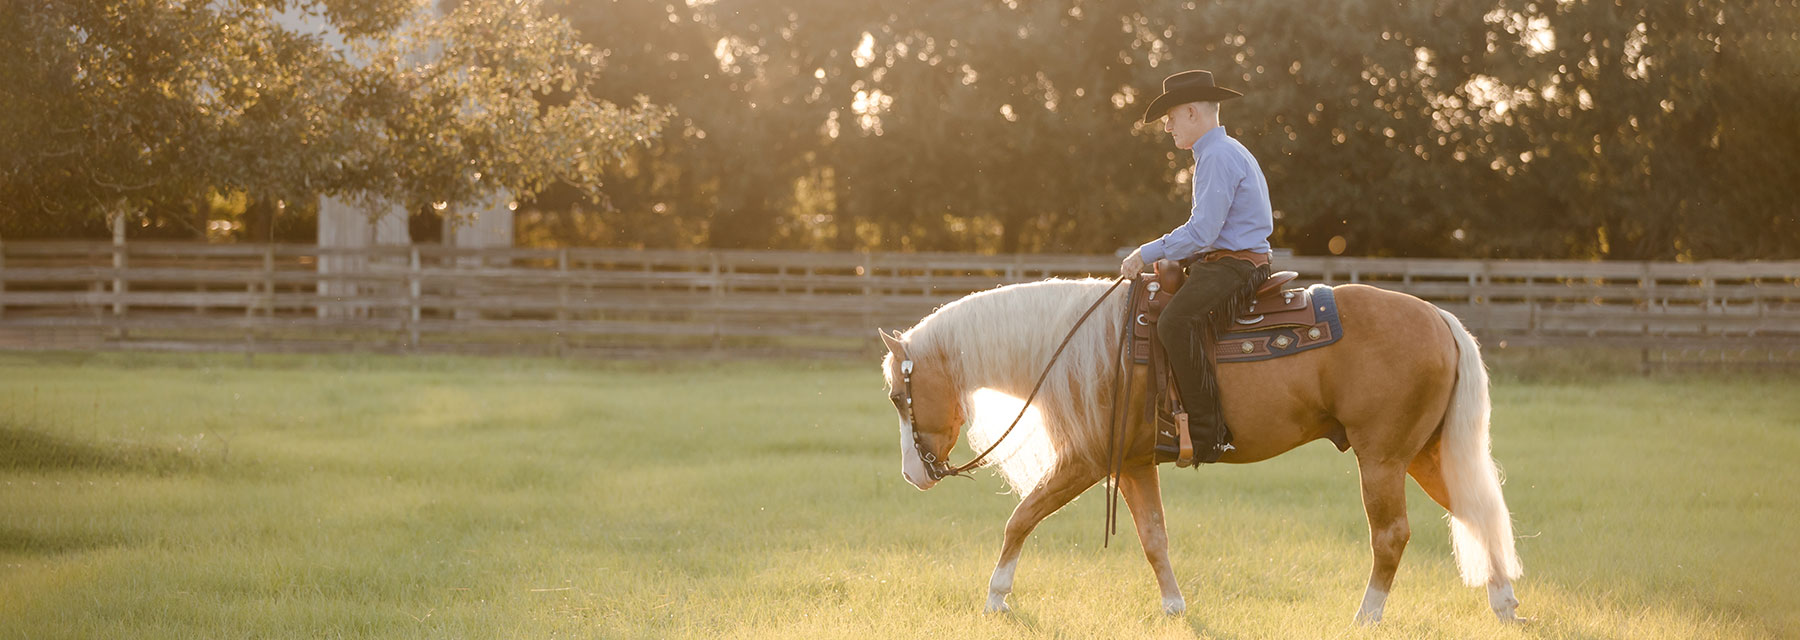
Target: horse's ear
column 893, row 342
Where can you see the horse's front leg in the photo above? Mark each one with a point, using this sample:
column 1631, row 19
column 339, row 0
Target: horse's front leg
column 1143, row 494
column 1062, row 486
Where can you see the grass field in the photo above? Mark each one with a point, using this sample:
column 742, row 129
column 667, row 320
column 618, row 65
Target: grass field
column 149, row 496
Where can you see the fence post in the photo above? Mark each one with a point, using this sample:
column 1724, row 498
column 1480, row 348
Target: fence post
column 118, row 260
column 866, row 270
column 413, row 298
column 1531, row 306
column 252, row 300
column 268, row 299
column 1713, row 304
column 265, row 301
column 718, row 295
column 562, row 301
column 870, row 299
column 1486, row 296
column 1474, row 277
column 200, row 288
column 1647, row 300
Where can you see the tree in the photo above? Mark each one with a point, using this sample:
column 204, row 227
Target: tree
column 134, row 103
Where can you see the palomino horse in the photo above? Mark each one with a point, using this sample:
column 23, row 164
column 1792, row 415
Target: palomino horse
column 1405, row 388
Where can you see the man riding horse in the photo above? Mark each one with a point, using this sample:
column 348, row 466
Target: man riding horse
column 1228, row 231
column 1395, row 379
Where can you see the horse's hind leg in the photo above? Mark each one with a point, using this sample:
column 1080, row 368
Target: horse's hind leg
column 1384, row 498
column 1062, row 486
column 1143, row 493
column 1427, row 470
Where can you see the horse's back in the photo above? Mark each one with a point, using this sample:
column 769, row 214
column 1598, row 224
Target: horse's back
column 1399, row 325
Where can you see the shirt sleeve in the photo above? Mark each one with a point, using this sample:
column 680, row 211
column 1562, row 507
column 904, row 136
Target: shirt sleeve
column 1215, row 180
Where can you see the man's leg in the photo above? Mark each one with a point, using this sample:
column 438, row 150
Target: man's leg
column 1184, row 329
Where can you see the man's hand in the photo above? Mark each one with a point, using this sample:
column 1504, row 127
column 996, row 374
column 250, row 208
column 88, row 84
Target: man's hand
column 1133, row 265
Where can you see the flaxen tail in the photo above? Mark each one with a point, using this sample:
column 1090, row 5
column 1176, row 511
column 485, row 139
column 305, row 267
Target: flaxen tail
column 1480, row 526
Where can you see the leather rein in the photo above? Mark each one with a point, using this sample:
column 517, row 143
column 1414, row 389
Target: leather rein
column 940, row 469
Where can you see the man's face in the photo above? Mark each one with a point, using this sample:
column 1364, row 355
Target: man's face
column 1183, row 124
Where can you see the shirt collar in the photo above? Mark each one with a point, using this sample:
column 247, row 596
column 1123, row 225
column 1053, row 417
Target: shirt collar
column 1211, row 137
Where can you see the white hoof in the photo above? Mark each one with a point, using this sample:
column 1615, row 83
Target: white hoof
column 1174, row 606
column 1505, row 606
column 996, row 603
column 1374, row 602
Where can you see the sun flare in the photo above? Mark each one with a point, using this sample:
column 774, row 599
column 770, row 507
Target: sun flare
column 1023, row 458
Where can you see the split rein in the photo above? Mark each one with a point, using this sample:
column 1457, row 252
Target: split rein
column 940, row 469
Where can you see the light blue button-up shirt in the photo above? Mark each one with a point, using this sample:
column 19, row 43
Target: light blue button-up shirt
column 1231, row 204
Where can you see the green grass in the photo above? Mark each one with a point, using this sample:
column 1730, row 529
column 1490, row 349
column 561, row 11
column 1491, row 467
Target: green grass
column 150, row 496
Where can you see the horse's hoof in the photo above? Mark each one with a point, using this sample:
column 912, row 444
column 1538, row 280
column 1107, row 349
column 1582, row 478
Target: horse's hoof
column 1367, row 619
column 996, row 604
column 1173, row 607
column 1510, row 618
column 1504, row 604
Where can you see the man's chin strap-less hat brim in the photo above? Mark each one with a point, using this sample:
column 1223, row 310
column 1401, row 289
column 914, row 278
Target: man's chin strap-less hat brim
column 1185, row 87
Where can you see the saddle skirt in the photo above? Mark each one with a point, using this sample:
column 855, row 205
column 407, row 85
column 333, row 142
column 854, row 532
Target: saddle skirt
column 1296, row 320
column 1278, row 322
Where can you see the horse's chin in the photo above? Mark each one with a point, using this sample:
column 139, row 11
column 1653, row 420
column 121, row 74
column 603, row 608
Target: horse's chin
column 923, row 484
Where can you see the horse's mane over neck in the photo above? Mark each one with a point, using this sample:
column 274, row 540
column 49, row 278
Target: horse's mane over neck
column 1001, row 339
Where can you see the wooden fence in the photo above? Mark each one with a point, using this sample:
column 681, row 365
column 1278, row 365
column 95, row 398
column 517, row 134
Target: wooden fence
column 431, row 298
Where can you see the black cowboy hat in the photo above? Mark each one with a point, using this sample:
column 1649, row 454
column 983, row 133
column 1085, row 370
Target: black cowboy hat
column 1185, row 87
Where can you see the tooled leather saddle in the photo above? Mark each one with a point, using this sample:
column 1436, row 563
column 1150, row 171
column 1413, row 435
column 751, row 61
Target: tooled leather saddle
column 1278, row 322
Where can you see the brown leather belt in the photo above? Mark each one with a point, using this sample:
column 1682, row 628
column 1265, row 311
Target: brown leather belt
column 1253, row 257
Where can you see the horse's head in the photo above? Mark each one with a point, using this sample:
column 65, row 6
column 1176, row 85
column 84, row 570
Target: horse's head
column 931, row 411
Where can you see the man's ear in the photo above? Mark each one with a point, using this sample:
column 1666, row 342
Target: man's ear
column 894, row 344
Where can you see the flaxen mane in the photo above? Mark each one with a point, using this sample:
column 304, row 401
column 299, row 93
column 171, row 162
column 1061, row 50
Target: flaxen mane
column 1073, row 408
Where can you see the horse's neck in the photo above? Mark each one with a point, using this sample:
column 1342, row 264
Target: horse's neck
column 1018, row 372
column 1016, row 379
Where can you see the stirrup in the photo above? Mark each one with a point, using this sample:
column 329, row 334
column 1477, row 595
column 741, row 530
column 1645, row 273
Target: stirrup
column 1186, row 458
column 1167, row 447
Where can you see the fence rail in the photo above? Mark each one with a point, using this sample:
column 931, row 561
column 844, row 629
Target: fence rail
column 430, row 298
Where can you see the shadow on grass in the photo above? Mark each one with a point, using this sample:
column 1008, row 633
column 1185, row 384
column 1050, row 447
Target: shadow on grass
column 39, row 542
column 26, row 450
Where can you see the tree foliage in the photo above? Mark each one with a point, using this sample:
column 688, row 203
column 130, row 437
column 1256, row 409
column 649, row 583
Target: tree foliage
column 1624, row 129
column 1587, row 128
column 142, row 103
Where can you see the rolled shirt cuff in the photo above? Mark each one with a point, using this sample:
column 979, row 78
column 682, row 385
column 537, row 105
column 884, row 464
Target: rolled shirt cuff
column 1151, row 251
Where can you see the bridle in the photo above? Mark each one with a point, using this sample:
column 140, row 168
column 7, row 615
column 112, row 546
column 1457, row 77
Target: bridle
column 940, row 469
column 937, row 469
